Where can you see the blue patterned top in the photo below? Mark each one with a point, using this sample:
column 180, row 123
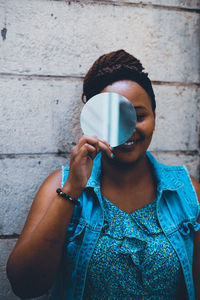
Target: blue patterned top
column 133, row 258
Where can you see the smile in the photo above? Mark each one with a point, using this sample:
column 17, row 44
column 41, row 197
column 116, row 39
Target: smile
column 129, row 143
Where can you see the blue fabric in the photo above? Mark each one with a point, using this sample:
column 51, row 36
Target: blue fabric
column 132, row 258
column 177, row 212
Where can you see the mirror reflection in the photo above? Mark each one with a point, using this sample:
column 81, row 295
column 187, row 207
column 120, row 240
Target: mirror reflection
column 109, row 116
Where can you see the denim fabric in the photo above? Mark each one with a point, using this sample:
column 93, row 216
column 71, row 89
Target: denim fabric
column 177, row 211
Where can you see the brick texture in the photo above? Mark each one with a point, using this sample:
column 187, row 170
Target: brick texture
column 45, row 49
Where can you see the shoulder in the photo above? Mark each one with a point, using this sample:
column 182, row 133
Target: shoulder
column 176, row 176
column 53, row 178
column 47, row 190
column 49, row 184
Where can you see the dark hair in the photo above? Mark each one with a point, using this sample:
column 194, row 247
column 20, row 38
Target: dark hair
column 112, row 67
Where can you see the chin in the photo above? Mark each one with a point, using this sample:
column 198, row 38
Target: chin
column 127, row 159
column 131, row 154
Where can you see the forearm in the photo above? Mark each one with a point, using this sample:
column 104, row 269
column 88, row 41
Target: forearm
column 33, row 264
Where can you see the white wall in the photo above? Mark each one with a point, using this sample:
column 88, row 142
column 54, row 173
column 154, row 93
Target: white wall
column 48, row 47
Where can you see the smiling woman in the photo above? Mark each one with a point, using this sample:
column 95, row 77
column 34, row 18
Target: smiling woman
column 121, row 225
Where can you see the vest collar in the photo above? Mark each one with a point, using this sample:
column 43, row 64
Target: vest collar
column 166, row 175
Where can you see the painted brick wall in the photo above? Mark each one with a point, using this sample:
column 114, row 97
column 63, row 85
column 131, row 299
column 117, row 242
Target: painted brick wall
column 46, row 46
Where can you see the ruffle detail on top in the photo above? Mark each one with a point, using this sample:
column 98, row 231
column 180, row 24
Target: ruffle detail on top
column 131, row 230
column 119, row 224
column 133, row 247
column 146, row 219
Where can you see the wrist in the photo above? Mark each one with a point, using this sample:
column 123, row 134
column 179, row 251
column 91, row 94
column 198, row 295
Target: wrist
column 67, row 197
column 71, row 190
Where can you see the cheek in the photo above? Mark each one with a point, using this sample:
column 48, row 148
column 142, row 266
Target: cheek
column 151, row 126
column 146, row 127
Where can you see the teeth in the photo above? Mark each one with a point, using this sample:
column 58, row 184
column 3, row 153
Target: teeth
column 129, row 143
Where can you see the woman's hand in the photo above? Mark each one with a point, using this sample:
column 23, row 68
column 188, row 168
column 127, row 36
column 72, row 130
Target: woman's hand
column 81, row 161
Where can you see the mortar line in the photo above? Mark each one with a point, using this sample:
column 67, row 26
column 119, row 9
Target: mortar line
column 176, row 83
column 39, row 76
column 81, row 77
column 134, row 4
column 65, row 154
column 34, row 154
column 9, row 236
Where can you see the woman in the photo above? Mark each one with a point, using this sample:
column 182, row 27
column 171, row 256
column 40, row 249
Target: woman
column 132, row 231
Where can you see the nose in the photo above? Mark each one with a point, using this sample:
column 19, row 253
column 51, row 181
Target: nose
column 134, row 132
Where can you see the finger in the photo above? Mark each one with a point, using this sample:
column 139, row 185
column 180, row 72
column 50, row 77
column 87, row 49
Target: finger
column 104, row 142
column 105, row 148
column 86, row 150
column 82, row 141
column 74, row 153
column 89, row 140
column 98, row 143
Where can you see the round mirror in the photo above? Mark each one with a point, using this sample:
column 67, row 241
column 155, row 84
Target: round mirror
column 110, row 117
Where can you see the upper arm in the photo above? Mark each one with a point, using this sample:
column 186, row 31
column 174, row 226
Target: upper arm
column 41, row 202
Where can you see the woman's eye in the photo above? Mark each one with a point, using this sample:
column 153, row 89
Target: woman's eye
column 140, row 117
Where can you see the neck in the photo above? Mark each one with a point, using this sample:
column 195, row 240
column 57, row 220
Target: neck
column 123, row 174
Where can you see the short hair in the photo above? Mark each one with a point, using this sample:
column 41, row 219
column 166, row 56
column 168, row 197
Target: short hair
column 112, row 67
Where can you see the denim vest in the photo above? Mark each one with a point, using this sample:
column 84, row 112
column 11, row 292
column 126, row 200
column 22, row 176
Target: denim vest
column 177, row 211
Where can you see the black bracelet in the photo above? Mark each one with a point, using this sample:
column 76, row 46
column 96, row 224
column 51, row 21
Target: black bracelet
column 67, row 197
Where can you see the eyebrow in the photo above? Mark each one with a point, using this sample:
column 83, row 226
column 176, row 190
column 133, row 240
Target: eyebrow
column 140, row 107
